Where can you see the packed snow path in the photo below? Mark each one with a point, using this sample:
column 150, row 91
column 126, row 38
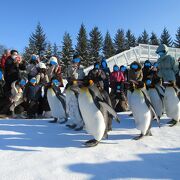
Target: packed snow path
column 38, row 150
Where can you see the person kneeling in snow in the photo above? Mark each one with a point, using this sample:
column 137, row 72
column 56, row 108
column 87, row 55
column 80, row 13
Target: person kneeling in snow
column 32, row 95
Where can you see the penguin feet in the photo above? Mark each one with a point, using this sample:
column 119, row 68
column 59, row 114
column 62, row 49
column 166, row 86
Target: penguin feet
column 71, row 126
column 105, row 136
column 54, row 121
column 62, row 122
column 172, row 122
column 91, row 143
column 138, row 137
column 78, row 128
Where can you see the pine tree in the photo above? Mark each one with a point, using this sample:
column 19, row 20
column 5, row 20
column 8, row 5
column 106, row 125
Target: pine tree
column 166, row 38
column 49, row 50
column 55, row 50
column 37, row 42
column 108, row 46
column 67, row 50
column 177, row 40
column 95, row 45
column 82, row 45
column 130, row 39
column 119, row 41
column 139, row 40
column 154, row 39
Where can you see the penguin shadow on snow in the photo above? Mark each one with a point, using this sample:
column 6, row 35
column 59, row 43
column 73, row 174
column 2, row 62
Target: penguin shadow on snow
column 30, row 135
column 163, row 165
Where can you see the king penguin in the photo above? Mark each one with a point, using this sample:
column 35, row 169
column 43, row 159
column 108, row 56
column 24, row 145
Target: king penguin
column 56, row 102
column 142, row 109
column 95, row 112
column 156, row 94
column 75, row 120
column 172, row 102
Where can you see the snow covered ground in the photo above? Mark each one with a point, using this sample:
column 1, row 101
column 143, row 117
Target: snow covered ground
column 38, row 150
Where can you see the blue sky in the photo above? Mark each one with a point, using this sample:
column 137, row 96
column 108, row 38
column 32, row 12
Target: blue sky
column 19, row 18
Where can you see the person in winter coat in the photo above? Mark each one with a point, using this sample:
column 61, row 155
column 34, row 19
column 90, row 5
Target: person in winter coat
column 32, row 94
column 4, row 58
column 124, row 70
column 12, row 70
column 75, row 71
column 17, row 100
column 135, row 71
column 147, row 70
column 31, row 68
column 116, row 76
column 97, row 74
column 107, row 72
column 168, row 66
column 43, row 79
column 54, row 70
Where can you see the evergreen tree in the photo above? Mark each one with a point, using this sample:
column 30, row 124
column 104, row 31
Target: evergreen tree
column 82, row 45
column 130, row 39
column 166, row 38
column 67, row 50
column 37, row 42
column 144, row 38
column 119, row 41
column 108, row 46
column 49, row 50
column 55, row 50
column 154, row 39
column 95, row 45
column 139, row 40
column 177, row 40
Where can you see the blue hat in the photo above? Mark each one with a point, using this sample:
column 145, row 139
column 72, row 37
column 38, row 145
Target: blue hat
column 33, row 58
column 55, row 82
column 148, row 82
column 123, row 68
column 116, row 68
column 33, row 80
column 147, row 64
column 96, row 66
column 76, row 60
column 53, row 63
column 155, row 64
column 22, row 82
column 134, row 66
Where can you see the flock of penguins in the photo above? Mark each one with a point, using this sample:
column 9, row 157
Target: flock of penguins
column 89, row 106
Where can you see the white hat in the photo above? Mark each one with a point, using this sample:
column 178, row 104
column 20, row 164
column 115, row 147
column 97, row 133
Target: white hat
column 53, row 60
column 42, row 65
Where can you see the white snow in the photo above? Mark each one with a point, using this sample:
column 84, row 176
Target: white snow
column 38, row 150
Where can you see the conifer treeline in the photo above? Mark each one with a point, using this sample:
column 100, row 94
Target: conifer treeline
column 92, row 46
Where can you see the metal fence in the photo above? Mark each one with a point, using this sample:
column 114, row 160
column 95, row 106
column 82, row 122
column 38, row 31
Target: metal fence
column 139, row 53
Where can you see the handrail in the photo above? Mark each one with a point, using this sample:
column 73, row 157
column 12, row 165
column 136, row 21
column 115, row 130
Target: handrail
column 139, row 53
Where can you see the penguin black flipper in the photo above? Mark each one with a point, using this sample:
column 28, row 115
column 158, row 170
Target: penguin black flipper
column 99, row 102
column 149, row 104
column 177, row 92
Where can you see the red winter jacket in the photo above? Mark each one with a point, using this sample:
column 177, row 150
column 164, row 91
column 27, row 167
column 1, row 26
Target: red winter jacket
column 3, row 61
column 116, row 77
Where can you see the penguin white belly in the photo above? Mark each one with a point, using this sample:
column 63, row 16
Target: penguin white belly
column 156, row 101
column 141, row 112
column 172, row 104
column 129, row 99
column 55, row 105
column 92, row 116
column 73, row 109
